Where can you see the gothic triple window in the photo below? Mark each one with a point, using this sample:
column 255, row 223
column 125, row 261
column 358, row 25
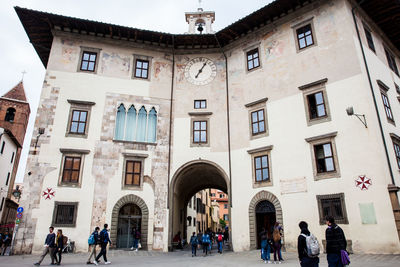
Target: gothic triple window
column 136, row 125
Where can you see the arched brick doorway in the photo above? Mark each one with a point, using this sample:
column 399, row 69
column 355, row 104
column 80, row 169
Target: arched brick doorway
column 259, row 197
column 131, row 199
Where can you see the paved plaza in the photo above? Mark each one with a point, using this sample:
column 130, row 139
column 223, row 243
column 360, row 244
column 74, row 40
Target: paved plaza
column 183, row 258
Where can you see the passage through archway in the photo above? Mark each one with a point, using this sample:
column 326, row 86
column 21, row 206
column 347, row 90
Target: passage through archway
column 189, row 179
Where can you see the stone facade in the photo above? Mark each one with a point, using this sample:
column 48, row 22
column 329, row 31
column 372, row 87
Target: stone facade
column 278, row 83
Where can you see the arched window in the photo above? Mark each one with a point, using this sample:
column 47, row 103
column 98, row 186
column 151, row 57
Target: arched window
column 120, row 123
column 10, row 114
column 152, row 126
column 130, row 124
column 141, row 125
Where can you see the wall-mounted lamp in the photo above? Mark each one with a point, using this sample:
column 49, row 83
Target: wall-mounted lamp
column 41, row 131
column 17, row 193
column 350, row 112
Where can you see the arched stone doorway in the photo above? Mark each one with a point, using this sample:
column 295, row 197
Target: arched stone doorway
column 189, row 179
column 130, row 209
column 261, row 203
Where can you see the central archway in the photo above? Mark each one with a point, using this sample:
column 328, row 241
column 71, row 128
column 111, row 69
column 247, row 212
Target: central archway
column 189, row 179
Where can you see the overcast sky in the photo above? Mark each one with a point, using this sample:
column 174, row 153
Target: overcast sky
column 18, row 55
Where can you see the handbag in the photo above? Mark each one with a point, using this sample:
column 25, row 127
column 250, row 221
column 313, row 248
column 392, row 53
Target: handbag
column 344, row 256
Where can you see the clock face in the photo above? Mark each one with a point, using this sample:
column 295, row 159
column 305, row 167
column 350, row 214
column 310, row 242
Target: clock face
column 200, row 71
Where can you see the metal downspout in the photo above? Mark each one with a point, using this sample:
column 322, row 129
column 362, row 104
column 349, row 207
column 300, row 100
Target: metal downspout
column 228, row 121
column 170, row 134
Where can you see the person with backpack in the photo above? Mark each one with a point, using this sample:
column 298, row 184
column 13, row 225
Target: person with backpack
column 335, row 243
column 93, row 242
column 307, row 247
column 220, row 240
column 277, row 236
column 104, row 240
column 206, row 243
column 49, row 246
column 194, row 241
column 59, row 246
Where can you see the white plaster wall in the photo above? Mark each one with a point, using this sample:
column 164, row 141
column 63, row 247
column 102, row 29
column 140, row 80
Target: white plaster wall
column 6, row 166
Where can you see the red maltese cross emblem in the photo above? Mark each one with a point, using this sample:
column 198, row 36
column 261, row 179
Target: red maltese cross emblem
column 363, row 182
column 48, row 193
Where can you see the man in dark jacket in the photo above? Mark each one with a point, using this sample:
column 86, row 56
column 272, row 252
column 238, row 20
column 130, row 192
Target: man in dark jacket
column 335, row 242
column 49, row 246
column 93, row 246
column 104, row 240
column 305, row 260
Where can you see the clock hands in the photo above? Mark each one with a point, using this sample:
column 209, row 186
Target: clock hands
column 200, row 70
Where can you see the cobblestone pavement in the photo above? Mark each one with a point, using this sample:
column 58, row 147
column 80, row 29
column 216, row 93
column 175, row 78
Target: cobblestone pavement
column 183, row 258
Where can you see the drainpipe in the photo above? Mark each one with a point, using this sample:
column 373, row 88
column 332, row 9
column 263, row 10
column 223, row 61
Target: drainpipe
column 228, row 122
column 170, row 137
column 170, row 116
column 373, row 96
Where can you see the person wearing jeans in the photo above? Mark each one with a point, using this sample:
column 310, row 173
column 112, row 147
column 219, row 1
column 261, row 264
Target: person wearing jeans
column 93, row 246
column 104, row 240
column 335, row 242
column 49, row 246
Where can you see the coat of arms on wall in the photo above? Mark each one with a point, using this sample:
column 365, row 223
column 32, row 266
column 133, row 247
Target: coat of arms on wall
column 363, row 182
column 49, row 193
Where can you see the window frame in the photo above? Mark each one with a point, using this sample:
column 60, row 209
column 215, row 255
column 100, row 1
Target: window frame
column 149, row 59
column 141, row 69
column 252, row 52
column 55, row 210
column 320, row 140
column 258, row 121
column 74, row 153
column 71, row 170
column 200, row 118
column 259, row 152
column 78, row 105
column 79, row 121
column 3, row 145
column 92, row 51
column 258, row 105
column 391, row 60
column 304, row 23
column 135, row 157
column 312, row 89
column 369, row 38
column 341, row 197
column 200, row 101
column 325, row 157
column 396, row 142
column 134, row 162
column 383, row 88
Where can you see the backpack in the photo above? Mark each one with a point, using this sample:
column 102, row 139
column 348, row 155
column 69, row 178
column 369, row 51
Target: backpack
column 206, row 239
column 91, row 240
column 194, row 240
column 219, row 237
column 65, row 240
column 312, row 246
column 276, row 235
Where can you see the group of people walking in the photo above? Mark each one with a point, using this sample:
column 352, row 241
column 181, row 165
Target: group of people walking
column 206, row 239
column 307, row 245
column 53, row 245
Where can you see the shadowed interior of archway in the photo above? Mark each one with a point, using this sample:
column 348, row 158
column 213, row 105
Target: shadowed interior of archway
column 189, row 180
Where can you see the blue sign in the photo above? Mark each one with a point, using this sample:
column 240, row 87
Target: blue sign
column 20, row 209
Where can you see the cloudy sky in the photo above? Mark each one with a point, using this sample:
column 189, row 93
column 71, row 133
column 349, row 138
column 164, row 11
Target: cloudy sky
column 18, row 55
